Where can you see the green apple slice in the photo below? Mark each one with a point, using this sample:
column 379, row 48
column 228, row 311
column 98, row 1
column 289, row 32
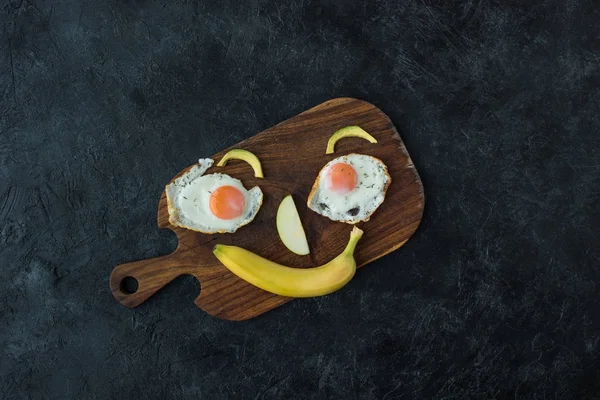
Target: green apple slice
column 290, row 227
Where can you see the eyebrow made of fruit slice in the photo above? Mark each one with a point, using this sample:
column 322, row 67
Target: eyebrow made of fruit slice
column 244, row 155
column 349, row 131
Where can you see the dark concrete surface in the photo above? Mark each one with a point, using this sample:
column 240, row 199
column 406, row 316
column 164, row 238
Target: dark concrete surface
column 497, row 294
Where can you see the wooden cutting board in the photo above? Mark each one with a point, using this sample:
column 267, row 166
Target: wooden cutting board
column 292, row 153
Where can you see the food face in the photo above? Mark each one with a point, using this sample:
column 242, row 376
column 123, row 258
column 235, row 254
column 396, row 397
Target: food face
column 347, row 189
column 214, row 203
column 350, row 188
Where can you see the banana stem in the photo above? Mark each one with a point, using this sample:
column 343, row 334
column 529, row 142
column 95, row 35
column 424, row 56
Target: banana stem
column 355, row 236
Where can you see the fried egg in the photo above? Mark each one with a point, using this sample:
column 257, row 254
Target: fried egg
column 350, row 188
column 213, row 203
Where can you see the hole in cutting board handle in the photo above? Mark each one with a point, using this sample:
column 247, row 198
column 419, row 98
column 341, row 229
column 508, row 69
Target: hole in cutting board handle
column 129, row 285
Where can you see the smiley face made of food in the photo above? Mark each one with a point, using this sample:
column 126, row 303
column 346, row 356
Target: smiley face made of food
column 347, row 189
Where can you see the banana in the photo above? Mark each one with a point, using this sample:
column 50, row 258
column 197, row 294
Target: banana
column 291, row 282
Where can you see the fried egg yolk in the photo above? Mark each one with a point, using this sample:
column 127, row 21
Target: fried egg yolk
column 227, row 202
column 342, row 178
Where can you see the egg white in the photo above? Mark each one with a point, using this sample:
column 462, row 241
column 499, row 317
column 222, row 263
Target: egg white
column 360, row 203
column 188, row 199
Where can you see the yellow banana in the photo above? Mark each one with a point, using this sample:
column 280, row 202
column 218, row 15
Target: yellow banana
column 291, row 282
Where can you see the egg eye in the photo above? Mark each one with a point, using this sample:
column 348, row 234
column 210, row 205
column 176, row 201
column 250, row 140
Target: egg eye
column 342, row 178
column 227, row 202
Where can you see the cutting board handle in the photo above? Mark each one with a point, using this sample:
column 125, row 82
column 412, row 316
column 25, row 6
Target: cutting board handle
column 133, row 283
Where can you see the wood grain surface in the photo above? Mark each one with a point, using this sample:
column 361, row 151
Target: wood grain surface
column 292, row 154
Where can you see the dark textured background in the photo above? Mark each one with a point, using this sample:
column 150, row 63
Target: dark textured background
column 496, row 295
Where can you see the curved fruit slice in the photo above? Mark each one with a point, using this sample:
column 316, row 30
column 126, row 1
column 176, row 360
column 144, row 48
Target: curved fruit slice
column 291, row 282
column 349, row 131
column 244, row 155
column 290, row 227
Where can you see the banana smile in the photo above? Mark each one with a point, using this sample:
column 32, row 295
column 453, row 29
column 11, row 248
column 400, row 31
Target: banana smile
column 287, row 281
